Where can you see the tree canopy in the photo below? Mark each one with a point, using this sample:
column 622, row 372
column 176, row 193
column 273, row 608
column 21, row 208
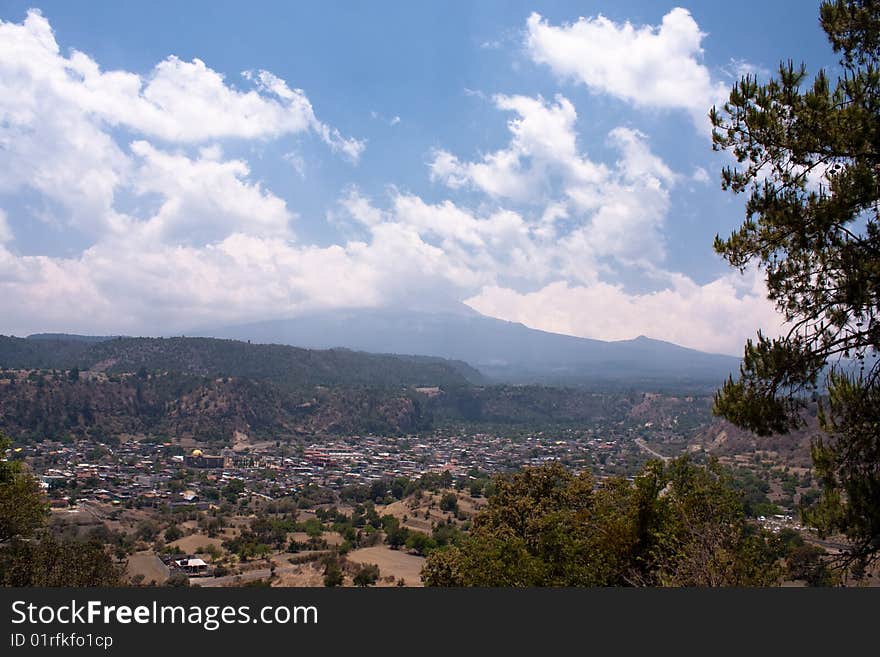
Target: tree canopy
column 677, row 524
column 808, row 156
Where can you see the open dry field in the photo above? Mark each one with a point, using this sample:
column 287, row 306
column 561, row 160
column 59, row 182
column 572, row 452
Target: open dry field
column 148, row 565
column 303, row 575
column 192, row 543
column 391, row 562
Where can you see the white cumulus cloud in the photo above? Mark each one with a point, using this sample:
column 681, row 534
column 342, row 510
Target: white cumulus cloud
column 613, row 209
column 204, row 199
column 648, row 66
column 177, row 101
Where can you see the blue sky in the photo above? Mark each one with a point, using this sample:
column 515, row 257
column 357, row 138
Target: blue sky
column 544, row 162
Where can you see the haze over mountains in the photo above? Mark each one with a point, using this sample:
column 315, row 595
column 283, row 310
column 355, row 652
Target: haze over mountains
column 503, row 351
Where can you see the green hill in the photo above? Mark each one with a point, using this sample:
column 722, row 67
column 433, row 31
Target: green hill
column 284, row 365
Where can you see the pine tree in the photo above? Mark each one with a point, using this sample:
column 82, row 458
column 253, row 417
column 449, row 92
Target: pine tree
column 809, row 158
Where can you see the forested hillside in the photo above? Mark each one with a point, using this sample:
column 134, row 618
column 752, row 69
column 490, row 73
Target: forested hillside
column 287, row 366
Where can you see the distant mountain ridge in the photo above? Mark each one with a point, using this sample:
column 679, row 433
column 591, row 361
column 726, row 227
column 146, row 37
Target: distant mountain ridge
column 72, row 337
column 477, row 348
column 504, row 351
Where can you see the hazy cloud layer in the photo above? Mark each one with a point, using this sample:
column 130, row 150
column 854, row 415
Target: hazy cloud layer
column 713, row 317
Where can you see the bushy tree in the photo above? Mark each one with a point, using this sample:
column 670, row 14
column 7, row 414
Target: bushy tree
column 333, row 576
column 173, row 533
column 50, row 562
column 809, row 158
column 23, row 507
column 367, row 575
column 147, row 530
column 449, row 502
column 420, row 543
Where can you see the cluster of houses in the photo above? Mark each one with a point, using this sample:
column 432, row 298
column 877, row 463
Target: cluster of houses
column 140, row 473
column 362, row 459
